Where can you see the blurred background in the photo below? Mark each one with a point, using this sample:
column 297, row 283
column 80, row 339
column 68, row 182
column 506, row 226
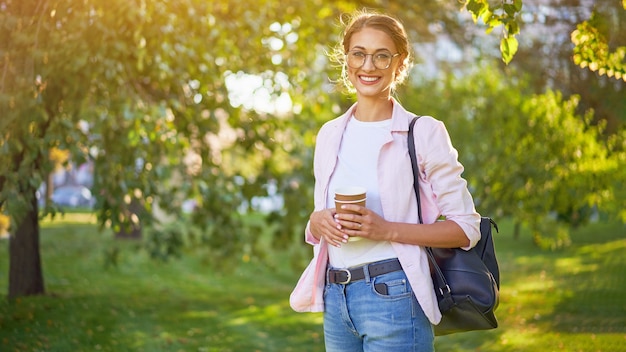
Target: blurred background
column 190, row 124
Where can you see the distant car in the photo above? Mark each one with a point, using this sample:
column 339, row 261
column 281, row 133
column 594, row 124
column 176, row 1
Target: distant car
column 72, row 196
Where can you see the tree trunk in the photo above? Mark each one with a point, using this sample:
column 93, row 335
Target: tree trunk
column 516, row 229
column 25, row 274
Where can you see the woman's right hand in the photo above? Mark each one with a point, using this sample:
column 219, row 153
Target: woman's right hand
column 323, row 224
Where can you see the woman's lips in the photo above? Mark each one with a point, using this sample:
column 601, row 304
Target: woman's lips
column 369, row 79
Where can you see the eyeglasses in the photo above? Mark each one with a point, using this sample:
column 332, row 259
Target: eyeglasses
column 381, row 60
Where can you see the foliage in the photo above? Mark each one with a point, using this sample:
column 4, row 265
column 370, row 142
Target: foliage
column 546, row 55
column 495, row 14
column 516, row 145
column 592, row 49
column 148, row 91
column 141, row 88
column 590, row 38
column 141, row 92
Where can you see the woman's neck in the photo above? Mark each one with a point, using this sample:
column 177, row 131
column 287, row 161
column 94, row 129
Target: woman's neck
column 373, row 109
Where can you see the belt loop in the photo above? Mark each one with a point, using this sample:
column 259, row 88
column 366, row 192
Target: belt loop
column 366, row 271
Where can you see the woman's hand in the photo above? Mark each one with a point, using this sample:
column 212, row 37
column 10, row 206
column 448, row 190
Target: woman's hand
column 365, row 223
column 323, row 224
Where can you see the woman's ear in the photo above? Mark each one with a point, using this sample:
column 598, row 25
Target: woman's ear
column 402, row 65
column 400, row 68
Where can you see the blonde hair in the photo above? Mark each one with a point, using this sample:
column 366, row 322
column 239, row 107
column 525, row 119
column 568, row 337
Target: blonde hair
column 385, row 23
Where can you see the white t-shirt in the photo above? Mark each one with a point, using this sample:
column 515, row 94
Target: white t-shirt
column 357, row 166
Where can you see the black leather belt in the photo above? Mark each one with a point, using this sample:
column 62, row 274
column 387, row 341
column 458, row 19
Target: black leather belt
column 345, row 276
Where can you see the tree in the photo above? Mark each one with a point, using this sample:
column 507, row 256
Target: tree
column 137, row 87
column 140, row 88
column 527, row 156
column 144, row 89
column 592, row 47
column 557, row 39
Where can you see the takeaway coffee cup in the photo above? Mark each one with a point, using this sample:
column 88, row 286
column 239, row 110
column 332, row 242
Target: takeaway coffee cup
column 349, row 195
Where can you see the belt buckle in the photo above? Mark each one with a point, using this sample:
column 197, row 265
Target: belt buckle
column 348, row 273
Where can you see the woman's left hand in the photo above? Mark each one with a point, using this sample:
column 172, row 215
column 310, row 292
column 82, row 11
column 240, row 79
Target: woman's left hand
column 366, row 223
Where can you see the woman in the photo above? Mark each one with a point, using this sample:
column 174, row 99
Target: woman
column 377, row 293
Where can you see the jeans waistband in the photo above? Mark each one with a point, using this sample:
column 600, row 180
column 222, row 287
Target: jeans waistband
column 345, row 276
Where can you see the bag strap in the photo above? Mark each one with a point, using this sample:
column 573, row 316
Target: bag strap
column 416, row 186
column 442, row 285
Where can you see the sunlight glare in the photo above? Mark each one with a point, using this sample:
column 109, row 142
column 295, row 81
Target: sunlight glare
column 253, row 92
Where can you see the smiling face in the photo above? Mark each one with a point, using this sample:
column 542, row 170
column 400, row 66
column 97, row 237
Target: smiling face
column 369, row 81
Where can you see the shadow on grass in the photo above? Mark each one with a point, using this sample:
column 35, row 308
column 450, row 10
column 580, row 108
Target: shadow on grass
column 161, row 321
column 571, row 300
column 593, row 280
column 566, row 300
column 146, row 305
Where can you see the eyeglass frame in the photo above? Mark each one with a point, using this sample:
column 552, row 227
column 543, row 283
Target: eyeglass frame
column 373, row 59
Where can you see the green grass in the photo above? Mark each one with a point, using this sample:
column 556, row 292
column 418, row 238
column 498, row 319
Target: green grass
column 569, row 300
column 572, row 300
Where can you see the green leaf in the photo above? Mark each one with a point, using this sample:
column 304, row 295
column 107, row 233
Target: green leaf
column 488, row 18
column 476, row 8
column 512, row 28
column 510, row 9
column 508, row 48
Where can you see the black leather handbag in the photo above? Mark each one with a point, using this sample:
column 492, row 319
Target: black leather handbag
column 467, row 283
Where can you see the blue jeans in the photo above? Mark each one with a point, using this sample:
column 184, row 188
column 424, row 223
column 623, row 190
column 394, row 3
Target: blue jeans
column 358, row 318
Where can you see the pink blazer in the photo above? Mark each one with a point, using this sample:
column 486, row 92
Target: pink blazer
column 442, row 190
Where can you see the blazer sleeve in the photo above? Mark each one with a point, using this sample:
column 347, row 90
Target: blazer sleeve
column 442, row 169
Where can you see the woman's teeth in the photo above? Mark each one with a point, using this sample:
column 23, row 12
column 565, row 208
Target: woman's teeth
column 369, row 79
